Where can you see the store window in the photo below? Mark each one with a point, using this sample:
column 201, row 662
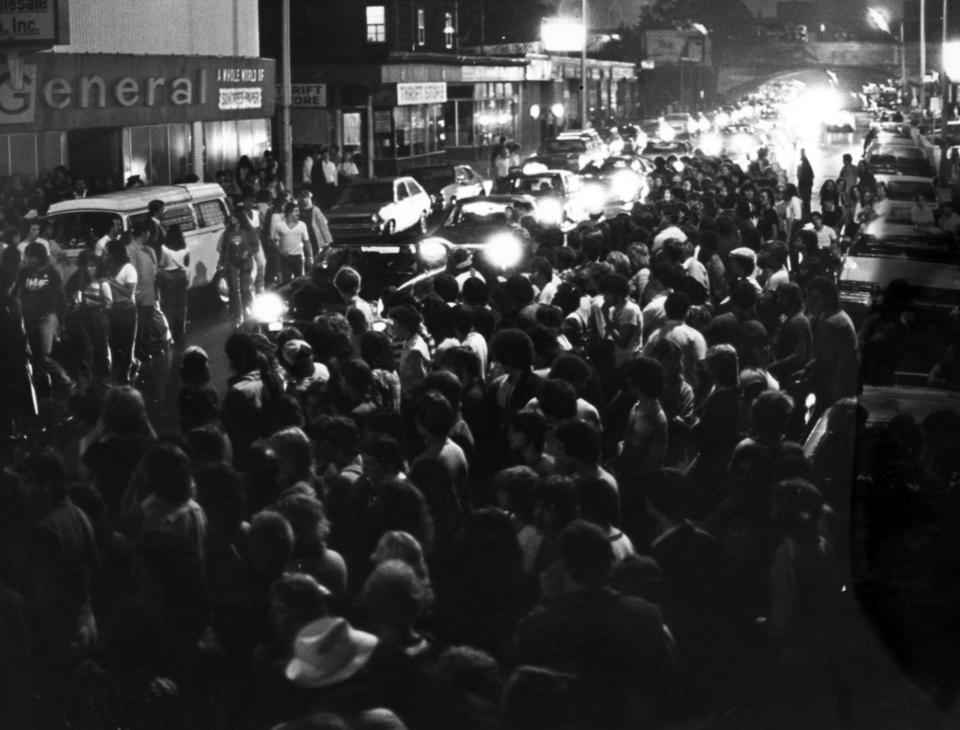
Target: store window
column 376, row 24
column 418, row 129
column 421, row 26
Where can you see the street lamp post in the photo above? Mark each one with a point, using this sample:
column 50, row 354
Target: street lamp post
column 584, row 82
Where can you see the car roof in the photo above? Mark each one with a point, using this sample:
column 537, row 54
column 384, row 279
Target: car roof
column 882, row 228
column 887, row 178
column 132, row 200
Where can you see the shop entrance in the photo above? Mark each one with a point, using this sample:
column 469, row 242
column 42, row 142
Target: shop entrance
column 95, row 153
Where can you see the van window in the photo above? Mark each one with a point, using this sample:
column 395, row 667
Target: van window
column 211, row 213
column 180, row 215
column 80, row 229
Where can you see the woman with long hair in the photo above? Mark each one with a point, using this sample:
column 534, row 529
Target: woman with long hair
column 172, row 279
column 121, row 276
column 90, row 299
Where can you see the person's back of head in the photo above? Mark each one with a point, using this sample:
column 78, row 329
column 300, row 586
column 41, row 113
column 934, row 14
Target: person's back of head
column 599, row 502
column 672, row 495
column 537, row 698
column 394, row 595
column 677, row 305
column 434, row 414
column 513, row 349
column 166, row 471
column 743, row 296
column 309, row 523
column 557, row 399
column 580, row 441
column 586, row 554
column 270, row 544
column 770, row 415
column 206, row 445
column 475, row 292
column 221, row 493
column 446, row 286
column 294, row 454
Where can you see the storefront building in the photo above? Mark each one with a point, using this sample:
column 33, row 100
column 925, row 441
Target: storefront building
column 408, row 113
column 113, row 115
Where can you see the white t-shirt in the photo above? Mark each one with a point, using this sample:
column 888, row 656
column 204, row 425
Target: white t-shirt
column 628, row 314
column 826, row 237
column 292, row 240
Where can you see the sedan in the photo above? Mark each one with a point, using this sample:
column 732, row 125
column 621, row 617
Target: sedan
column 559, row 195
column 616, row 183
column 381, row 206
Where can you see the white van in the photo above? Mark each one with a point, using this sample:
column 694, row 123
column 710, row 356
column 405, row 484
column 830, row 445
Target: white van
column 200, row 209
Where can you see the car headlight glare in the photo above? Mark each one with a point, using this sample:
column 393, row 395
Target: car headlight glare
column 625, row 185
column 504, row 250
column 594, row 198
column 711, row 145
column 534, row 168
column 267, row 307
column 433, row 250
column 550, row 212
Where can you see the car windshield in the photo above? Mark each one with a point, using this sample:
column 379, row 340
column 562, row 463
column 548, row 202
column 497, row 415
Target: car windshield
column 538, row 184
column 434, row 178
column 910, row 189
column 485, row 213
column 76, row 230
column 368, row 192
column 934, row 246
column 565, row 146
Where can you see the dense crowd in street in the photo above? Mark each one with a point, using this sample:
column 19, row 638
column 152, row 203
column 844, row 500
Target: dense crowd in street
column 573, row 498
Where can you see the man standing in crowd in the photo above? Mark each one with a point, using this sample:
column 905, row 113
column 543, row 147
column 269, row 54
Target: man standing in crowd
column 40, row 290
column 316, row 223
column 156, row 232
column 144, row 261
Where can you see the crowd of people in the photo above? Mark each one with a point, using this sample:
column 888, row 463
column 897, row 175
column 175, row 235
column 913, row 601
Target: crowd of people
column 570, row 499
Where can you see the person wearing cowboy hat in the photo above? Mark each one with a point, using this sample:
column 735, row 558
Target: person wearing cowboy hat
column 460, row 266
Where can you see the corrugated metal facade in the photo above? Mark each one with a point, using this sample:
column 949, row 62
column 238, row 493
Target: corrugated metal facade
column 164, row 27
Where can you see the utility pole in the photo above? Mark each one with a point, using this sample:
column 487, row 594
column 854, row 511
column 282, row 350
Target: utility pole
column 923, row 52
column 583, row 68
column 944, row 80
column 286, row 133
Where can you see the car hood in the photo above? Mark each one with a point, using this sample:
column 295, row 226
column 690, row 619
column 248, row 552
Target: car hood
column 354, row 209
column 471, row 235
column 881, row 270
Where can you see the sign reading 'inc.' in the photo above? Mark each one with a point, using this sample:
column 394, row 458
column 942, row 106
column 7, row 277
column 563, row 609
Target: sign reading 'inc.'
column 29, row 22
column 425, row 92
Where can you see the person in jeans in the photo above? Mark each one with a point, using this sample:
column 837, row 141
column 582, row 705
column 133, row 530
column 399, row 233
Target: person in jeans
column 293, row 243
column 237, row 263
column 316, row 223
column 172, row 279
column 122, row 279
column 40, row 291
column 90, row 299
column 144, row 261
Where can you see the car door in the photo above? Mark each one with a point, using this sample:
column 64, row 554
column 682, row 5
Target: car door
column 419, row 200
column 401, row 205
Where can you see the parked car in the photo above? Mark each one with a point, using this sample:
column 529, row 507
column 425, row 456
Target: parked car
column 446, row 184
column 384, row 206
column 925, row 257
column 200, row 209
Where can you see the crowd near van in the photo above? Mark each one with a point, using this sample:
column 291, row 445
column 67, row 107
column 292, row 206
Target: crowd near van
column 200, row 209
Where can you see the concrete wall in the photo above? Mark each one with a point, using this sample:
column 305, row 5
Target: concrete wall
column 164, row 27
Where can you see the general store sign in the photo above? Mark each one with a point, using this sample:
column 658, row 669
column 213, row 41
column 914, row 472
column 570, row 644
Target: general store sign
column 73, row 91
column 33, row 23
column 425, row 92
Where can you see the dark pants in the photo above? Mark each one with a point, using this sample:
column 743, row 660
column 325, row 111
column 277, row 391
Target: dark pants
column 173, row 299
column 290, row 267
column 805, row 195
column 123, row 335
column 42, row 331
column 271, row 266
column 90, row 328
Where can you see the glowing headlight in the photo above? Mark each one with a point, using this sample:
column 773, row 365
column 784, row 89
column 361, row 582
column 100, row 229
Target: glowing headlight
column 433, row 250
column 550, row 212
column 534, row 168
column 504, row 250
column 711, row 145
column 693, row 126
column 615, row 146
column 594, row 198
column 667, row 133
column 267, row 307
column 625, row 185
column 742, row 143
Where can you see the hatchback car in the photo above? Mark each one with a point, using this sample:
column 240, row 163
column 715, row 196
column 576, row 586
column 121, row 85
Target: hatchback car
column 381, row 206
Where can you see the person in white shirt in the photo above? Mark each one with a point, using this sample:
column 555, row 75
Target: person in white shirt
column 348, row 167
column 882, row 203
column 921, row 214
column 776, row 260
column 116, row 228
column 826, row 236
column 293, row 243
column 543, row 277
column 306, row 171
column 622, row 317
column 693, row 346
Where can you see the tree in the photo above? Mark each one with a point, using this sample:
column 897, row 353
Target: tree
column 725, row 17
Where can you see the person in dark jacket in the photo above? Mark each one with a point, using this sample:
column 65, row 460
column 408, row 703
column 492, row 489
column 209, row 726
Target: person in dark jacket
column 617, row 645
column 39, row 289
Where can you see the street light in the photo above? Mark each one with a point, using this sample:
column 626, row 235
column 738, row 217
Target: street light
column 879, row 19
column 567, row 36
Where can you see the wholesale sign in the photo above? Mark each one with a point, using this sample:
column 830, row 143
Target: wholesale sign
column 30, row 23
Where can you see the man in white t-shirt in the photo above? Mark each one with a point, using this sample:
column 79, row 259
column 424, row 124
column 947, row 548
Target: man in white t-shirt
column 826, row 236
column 622, row 317
column 292, row 240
